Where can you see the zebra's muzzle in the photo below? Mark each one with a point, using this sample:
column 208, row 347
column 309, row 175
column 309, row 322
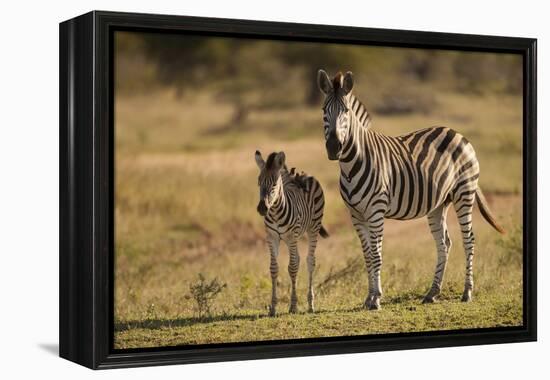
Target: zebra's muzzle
column 262, row 209
column 333, row 148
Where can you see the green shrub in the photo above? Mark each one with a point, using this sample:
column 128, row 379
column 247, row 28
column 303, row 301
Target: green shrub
column 204, row 293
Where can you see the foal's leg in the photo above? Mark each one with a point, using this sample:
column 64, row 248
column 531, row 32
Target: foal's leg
column 312, row 237
column 273, row 242
column 438, row 226
column 293, row 265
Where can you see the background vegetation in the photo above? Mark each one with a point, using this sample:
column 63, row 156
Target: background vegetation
column 191, row 262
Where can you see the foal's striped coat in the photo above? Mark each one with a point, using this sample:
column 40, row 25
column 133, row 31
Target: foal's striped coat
column 406, row 177
column 291, row 205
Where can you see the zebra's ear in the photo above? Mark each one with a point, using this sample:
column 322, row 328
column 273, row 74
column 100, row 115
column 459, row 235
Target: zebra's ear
column 348, row 82
column 323, row 81
column 280, row 160
column 259, row 160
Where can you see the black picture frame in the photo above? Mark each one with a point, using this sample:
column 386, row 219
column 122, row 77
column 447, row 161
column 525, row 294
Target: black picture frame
column 86, row 189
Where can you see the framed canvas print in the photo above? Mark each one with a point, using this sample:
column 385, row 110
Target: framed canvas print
column 237, row 189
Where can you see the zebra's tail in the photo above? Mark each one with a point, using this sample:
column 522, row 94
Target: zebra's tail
column 486, row 212
column 324, row 234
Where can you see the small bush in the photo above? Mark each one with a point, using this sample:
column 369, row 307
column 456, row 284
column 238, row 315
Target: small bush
column 204, row 293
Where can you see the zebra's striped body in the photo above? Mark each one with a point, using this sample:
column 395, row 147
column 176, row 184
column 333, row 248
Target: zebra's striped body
column 406, row 177
column 292, row 205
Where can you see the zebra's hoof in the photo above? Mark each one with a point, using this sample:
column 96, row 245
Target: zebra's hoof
column 372, row 303
column 431, row 297
column 272, row 311
column 293, row 310
column 467, row 296
column 374, row 306
column 311, row 308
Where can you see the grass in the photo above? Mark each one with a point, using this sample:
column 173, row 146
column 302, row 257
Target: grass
column 402, row 316
column 185, row 204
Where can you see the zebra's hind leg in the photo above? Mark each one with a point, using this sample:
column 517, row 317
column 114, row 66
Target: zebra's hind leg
column 464, row 205
column 312, row 237
column 293, row 266
column 437, row 220
column 273, row 244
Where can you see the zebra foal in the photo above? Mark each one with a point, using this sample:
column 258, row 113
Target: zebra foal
column 406, row 177
column 291, row 204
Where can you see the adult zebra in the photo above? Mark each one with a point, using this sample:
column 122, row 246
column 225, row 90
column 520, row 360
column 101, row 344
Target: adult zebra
column 404, row 177
column 291, row 205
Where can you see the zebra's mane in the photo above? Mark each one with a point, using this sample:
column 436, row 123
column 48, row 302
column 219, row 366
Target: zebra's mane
column 296, row 178
column 290, row 177
column 360, row 111
column 337, row 81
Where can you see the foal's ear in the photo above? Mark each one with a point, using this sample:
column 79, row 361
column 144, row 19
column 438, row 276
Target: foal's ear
column 280, row 160
column 323, row 81
column 348, row 82
column 259, row 160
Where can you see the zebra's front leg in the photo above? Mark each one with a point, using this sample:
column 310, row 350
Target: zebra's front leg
column 438, row 226
column 311, row 268
column 375, row 235
column 273, row 242
column 293, row 266
column 363, row 234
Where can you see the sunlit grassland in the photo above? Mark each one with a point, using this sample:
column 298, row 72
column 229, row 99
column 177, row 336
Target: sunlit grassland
column 186, row 195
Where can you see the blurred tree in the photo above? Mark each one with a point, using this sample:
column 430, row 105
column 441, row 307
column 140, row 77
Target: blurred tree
column 418, row 64
column 488, row 73
column 260, row 80
column 247, row 73
column 331, row 57
column 134, row 71
column 254, row 74
column 185, row 62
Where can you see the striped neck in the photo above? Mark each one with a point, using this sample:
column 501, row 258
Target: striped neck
column 358, row 135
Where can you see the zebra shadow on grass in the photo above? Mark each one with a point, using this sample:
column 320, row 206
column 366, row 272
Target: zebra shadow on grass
column 160, row 323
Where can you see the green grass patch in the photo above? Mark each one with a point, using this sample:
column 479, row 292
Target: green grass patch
column 397, row 315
